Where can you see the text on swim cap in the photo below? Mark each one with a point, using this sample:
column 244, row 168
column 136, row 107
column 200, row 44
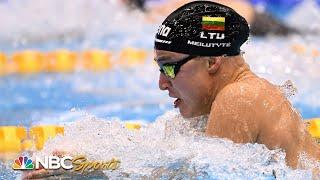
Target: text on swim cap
column 164, row 30
column 202, row 44
column 206, row 35
column 162, row 41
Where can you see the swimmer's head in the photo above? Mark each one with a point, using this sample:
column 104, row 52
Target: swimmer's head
column 203, row 28
column 189, row 49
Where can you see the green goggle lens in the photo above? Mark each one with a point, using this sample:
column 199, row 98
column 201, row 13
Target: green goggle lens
column 172, row 69
column 168, row 70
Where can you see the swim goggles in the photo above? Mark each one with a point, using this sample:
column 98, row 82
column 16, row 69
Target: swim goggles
column 171, row 69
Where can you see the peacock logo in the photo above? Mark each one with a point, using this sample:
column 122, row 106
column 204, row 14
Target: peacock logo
column 22, row 163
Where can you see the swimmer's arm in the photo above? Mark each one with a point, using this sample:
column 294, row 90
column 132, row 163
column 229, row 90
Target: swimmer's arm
column 284, row 138
column 237, row 117
column 233, row 115
column 284, row 129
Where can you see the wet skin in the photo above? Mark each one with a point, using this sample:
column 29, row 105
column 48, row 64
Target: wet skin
column 241, row 106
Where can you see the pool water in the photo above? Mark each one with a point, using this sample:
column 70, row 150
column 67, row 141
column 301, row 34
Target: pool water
column 53, row 98
column 171, row 147
column 133, row 94
column 167, row 146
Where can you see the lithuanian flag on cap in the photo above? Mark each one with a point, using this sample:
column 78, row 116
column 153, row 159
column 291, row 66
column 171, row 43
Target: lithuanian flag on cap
column 213, row 23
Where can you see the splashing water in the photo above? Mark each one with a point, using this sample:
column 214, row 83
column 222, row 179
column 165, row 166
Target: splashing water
column 306, row 20
column 171, row 147
column 295, row 62
column 288, row 89
column 81, row 24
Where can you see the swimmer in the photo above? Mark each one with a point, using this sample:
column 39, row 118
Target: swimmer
column 197, row 48
column 202, row 68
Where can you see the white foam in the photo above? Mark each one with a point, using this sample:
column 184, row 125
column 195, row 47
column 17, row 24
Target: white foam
column 306, row 16
column 170, row 147
column 42, row 21
column 279, row 59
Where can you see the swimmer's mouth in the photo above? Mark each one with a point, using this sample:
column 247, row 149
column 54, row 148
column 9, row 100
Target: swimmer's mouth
column 177, row 102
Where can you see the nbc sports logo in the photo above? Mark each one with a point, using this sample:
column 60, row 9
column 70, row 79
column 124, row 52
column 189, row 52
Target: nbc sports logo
column 79, row 163
column 23, row 163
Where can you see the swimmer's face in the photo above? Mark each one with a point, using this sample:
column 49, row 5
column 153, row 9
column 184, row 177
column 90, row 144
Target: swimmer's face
column 191, row 86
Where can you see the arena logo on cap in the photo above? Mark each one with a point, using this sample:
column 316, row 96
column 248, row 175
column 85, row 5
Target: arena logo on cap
column 213, row 23
column 164, row 30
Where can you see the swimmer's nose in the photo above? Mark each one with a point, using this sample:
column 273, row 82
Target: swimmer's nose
column 164, row 82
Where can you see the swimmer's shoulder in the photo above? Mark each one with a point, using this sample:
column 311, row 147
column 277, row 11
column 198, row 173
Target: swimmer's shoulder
column 255, row 91
column 241, row 106
column 246, row 88
column 257, row 88
column 265, row 91
column 234, row 114
column 237, row 95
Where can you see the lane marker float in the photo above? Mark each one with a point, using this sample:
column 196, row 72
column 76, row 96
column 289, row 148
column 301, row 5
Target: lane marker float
column 15, row 139
column 65, row 61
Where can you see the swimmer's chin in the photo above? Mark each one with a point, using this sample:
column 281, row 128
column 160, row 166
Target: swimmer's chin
column 185, row 110
column 186, row 114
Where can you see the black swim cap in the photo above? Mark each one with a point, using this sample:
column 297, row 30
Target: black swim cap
column 203, row 28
